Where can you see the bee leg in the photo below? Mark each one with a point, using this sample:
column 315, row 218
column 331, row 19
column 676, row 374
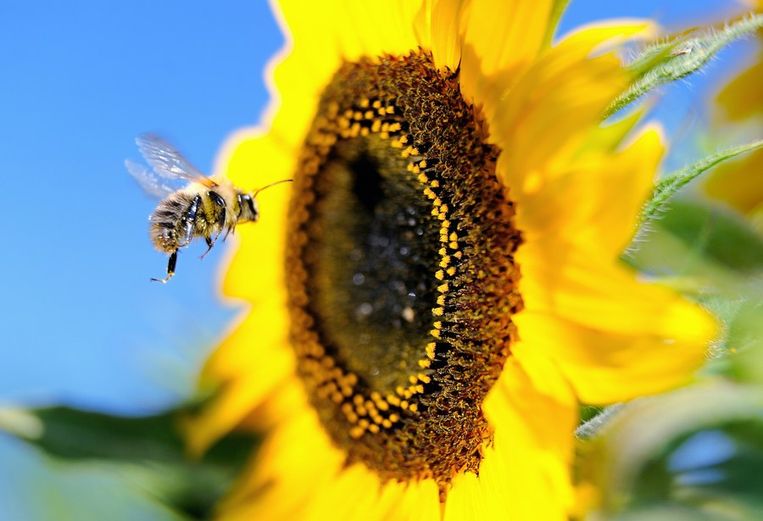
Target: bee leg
column 170, row 268
column 210, row 243
column 218, row 201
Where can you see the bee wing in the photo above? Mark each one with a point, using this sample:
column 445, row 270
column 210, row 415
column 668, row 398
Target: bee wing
column 167, row 161
column 148, row 180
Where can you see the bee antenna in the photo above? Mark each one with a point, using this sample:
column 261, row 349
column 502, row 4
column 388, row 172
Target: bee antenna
column 254, row 195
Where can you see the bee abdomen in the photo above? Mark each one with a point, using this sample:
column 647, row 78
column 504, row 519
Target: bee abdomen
column 168, row 221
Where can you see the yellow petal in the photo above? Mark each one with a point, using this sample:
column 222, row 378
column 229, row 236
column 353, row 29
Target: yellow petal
column 542, row 119
column 612, row 335
column 316, row 42
column 606, row 367
column 609, row 137
column 501, row 40
column 352, row 494
column 420, row 502
column 253, row 160
column 542, row 122
column 525, row 474
column 293, row 464
column 505, row 35
column 325, row 32
column 372, row 28
column 277, row 406
column 298, row 474
column 603, row 36
column 743, row 96
column 595, row 204
column 578, row 285
column 738, row 183
column 390, row 501
column 247, row 376
column 439, row 26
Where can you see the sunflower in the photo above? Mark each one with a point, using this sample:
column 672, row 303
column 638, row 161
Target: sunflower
column 739, row 183
column 439, row 287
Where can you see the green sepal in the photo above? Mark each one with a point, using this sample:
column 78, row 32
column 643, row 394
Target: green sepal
column 680, row 55
column 558, row 9
column 668, row 186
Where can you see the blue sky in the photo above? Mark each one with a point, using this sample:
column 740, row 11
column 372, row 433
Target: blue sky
column 81, row 81
column 80, row 321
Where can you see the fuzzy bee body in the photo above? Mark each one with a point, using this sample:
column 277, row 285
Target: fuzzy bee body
column 168, row 222
column 207, row 207
column 197, row 212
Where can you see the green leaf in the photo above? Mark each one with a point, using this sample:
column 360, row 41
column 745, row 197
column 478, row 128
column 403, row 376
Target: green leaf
column 715, row 234
column 672, row 183
column 150, row 448
column 680, row 56
column 697, row 450
column 699, row 248
column 744, row 337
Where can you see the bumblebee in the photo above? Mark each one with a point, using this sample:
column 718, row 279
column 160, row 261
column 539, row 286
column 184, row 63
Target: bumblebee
column 206, row 207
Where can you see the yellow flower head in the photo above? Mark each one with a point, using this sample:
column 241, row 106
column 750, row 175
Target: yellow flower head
column 440, row 286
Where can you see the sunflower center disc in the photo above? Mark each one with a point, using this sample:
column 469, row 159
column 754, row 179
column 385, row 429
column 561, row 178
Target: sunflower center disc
column 401, row 274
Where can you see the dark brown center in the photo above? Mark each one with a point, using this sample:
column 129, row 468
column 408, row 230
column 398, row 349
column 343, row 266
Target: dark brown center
column 400, row 265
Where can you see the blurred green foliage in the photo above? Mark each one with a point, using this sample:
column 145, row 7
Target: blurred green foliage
column 149, row 450
column 698, row 451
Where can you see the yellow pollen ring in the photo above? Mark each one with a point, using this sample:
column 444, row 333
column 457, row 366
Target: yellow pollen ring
column 439, row 210
column 338, row 386
column 349, row 124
